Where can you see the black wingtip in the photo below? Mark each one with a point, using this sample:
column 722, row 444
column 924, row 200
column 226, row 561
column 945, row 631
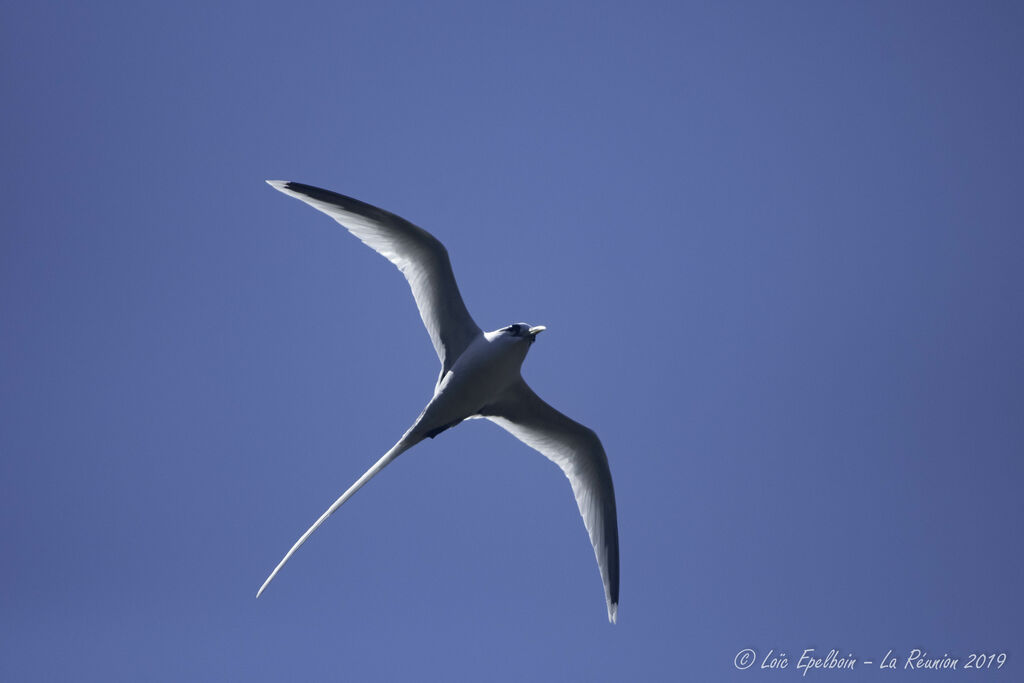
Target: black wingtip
column 326, row 196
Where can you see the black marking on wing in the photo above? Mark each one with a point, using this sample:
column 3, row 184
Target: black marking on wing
column 348, row 203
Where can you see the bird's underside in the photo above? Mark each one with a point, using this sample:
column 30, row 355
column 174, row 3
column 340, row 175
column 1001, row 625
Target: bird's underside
column 480, row 377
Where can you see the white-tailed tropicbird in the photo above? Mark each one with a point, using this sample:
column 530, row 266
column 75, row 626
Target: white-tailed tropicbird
column 480, row 377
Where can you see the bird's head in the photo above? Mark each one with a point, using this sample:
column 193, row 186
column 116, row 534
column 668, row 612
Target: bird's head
column 521, row 332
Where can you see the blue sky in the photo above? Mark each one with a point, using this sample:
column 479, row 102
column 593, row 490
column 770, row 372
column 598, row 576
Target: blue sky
column 777, row 247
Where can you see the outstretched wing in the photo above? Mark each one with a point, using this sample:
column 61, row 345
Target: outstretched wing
column 418, row 254
column 577, row 450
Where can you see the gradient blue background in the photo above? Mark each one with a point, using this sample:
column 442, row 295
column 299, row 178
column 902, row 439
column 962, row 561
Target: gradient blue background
column 778, row 248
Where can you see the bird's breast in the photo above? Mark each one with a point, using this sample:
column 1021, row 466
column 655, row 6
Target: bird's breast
column 479, row 376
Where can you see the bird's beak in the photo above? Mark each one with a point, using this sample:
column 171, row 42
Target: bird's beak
column 534, row 331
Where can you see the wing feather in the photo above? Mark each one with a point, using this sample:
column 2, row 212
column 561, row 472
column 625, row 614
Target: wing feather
column 580, row 455
column 420, row 256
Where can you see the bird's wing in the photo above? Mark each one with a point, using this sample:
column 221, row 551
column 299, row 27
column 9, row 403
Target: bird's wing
column 577, row 450
column 419, row 255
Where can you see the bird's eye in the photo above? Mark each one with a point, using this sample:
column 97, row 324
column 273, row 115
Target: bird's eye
column 514, row 329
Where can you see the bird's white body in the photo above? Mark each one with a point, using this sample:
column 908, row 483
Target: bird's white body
column 485, row 369
column 480, row 377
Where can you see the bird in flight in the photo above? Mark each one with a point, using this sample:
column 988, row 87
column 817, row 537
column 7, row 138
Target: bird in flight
column 480, row 377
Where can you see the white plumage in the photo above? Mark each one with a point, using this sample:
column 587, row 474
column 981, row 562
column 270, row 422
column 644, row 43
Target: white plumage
column 480, row 377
